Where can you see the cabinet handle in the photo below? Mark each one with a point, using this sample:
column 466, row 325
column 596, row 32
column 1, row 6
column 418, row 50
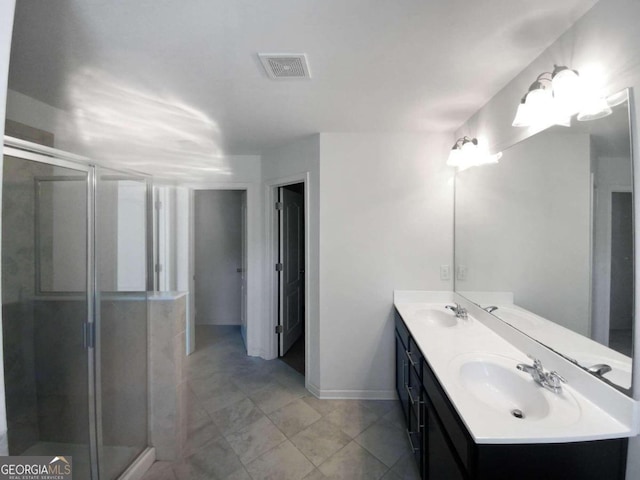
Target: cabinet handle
column 408, row 388
column 404, row 375
column 413, row 448
column 408, row 354
column 413, row 402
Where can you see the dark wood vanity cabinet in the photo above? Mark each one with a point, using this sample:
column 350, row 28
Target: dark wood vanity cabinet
column 445, row 450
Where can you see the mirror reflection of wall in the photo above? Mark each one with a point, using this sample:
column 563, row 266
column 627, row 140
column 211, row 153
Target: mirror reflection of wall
column 546, row 235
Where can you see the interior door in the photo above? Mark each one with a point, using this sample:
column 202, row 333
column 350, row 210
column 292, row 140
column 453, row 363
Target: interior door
column 292, row 273
column 217, row 245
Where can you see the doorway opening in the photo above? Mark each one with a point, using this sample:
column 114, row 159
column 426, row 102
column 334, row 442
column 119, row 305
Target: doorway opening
column 621, row 293
column 291, row 268
column 220, row 259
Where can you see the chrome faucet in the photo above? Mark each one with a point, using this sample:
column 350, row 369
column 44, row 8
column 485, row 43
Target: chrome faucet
column 549, row 380
column 460, row 312
column 490, row 308
column 599, row 369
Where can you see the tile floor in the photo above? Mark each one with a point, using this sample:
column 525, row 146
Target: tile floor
column 252, row 419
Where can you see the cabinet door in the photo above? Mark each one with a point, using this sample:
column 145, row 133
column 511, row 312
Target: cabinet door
column 402, row 377
column 440, row 461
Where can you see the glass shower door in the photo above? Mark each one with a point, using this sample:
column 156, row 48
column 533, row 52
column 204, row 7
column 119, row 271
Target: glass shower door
column 45, row 308
column 121, row 319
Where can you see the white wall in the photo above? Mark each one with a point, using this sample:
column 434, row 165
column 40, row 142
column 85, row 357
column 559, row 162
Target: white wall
column 386, row 214
column 523, row 226
column 278, row 165
column 608, row 36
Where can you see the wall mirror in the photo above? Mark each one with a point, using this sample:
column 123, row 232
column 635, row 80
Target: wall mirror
column 546, row 236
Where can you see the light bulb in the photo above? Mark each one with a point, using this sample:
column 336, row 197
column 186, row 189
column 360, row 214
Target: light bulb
column 540, row 104
column 522, row 118
column 567, row 91
column 594, row 108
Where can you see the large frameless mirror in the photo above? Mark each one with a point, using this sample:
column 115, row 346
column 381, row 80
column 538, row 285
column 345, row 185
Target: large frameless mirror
column 544, row 240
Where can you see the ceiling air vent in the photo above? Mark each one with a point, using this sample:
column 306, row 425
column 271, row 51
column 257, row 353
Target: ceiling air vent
column 285, row 65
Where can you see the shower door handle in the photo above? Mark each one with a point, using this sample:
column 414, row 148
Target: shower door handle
column 88, row 335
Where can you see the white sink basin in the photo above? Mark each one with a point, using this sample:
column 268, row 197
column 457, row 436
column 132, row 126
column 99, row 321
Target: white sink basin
column 437, row 317
column 494, row 381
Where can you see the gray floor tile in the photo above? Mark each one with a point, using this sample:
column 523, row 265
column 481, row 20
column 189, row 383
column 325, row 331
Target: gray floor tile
column 229, row 437
column 406, row 468
column 294, row 417
column 234, row 417
column 385, row 441
column 273, row 397
column 319, row 441
column 352, row 418
column 315, row 475
column 380, row 407
column 390, row 475
column 284, row 462
column 395, row 416
column 213, row 460
column 218, row 397
column 324, row 407
column 353, row 463
column 197, row 437
column 160, row 471
column 255, row 439
column 252, row 382
column 240, row 474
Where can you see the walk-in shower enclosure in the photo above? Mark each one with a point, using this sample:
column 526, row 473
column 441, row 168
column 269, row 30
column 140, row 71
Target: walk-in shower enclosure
column 74, row 309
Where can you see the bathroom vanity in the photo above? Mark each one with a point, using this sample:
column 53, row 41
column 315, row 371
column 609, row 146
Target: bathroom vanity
column 459, row 387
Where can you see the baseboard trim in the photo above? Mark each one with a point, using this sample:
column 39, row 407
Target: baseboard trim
column 353, row 394
column 140, row 465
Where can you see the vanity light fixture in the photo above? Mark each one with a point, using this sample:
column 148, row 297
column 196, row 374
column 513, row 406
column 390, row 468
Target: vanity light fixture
column 554, row 97
column 469, row 152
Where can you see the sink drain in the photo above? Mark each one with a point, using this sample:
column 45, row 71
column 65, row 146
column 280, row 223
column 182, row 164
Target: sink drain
column 517, row 413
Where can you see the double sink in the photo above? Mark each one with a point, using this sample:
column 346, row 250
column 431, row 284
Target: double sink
column 498, row 401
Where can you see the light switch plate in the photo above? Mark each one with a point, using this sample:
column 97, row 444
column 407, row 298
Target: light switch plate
column 445, row 272
column 461, row 272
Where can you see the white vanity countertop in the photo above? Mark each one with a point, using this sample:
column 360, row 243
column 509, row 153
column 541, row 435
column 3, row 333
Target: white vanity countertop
column 573, row 417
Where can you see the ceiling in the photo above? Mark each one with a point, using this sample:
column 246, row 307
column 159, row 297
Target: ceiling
column 142, row 71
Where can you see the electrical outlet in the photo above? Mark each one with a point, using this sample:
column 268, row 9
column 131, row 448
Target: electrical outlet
column 445, row 272
column 461, row 272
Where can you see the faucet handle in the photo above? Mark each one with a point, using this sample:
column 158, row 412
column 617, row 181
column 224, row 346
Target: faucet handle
column 536, row 363
column 553, row 380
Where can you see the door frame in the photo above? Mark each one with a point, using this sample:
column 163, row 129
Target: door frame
column 600, row 316
column 251, row 279
column 271, row 257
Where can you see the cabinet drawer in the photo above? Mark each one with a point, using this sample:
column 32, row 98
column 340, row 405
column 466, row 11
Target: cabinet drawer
column 415, row 394
column 452, row 424
column 402, row 330
column 415, row 435
column 415, row 357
